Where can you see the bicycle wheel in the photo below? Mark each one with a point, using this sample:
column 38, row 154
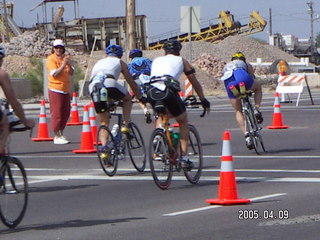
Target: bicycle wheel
column 194, row 155
column 253, row 129
column 13, row 192
column 160, row 166
column 107, row 154
column 136, row 148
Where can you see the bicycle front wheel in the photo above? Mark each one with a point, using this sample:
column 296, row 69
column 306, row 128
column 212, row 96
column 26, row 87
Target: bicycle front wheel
column 136, row 148
column 195, row 156
column 107, row 154
column 13, row 192
column 160, row 166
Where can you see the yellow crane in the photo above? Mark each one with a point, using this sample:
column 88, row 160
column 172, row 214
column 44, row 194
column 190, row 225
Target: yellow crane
column 214, row 33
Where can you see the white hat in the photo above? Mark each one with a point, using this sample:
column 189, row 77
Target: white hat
column 58, row 42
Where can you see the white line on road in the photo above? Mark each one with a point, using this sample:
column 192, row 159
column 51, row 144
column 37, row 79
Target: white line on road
column 205, row 156
column 217, row 206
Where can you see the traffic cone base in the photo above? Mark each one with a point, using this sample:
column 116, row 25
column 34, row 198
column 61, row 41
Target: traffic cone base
column 228, row 194
column 41, row 139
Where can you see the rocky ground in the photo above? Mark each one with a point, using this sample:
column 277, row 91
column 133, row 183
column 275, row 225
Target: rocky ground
column 207, row 58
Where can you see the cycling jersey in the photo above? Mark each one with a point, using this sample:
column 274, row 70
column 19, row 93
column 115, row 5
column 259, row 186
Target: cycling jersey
column 235, row 72
column 167, row 65
column 109, row 65
column 138, row 66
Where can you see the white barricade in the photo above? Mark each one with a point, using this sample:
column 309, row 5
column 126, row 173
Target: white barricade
column 293, row 83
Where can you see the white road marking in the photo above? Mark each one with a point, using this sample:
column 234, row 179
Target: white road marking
column 217, row 206
column 205, row 156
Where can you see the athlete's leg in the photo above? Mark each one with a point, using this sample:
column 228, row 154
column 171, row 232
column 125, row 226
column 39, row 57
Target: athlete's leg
column 127, row 106
column 256, row 88
column 182, row 119
column 239, row 116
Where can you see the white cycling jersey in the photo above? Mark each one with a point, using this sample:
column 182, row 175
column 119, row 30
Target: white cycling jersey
column 109, row 65
column 167, row 65
column 231, row 66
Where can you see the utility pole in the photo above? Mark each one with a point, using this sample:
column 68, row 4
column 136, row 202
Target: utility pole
column 270, row 22
column 130, row 26
column 5, row 22
column 310, row 11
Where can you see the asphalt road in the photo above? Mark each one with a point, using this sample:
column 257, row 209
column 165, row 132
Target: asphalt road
column 71, row 198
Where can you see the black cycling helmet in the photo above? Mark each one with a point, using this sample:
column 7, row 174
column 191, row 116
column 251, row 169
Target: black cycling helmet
column 238, row 55
column 2, row 51
column 114, row 50
column 172, row 46
column 135, row 53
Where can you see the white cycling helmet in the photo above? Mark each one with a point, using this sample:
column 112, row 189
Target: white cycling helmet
column 2, row 51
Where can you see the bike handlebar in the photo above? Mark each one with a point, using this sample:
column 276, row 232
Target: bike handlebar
column 192, row 101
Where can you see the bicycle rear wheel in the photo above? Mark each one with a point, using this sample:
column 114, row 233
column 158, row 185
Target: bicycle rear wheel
column 107, row 154
column 136, row 148
column 194, row 155
column 253, row 129
column 160, row 166
column 13, row 192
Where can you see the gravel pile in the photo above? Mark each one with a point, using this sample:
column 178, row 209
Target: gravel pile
column 30, row 44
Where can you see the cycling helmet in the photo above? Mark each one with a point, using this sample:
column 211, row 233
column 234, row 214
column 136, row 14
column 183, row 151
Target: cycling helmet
column 238, row 55
column 114, row 50
column 172, row 46
column 2, row 51
column 135, row 53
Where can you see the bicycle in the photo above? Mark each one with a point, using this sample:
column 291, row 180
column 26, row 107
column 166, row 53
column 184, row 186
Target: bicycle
column 14, row 189
column 116, row 145
column 252, row 127
column 165, row 152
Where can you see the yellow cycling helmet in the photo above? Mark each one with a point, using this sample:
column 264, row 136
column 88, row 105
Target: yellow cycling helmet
column 238, row 55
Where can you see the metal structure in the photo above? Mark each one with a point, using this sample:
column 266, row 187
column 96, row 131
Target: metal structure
column 9, row 28
column 81, row 33
column 226, row 26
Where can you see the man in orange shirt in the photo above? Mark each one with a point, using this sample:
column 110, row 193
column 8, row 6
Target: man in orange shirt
column 60, row 70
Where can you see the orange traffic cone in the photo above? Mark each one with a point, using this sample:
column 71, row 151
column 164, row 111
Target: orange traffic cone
column 75, row 120
column 93, row 123
column 277, row 116
column 86, row 138
column 228, row 187
column 43, row 133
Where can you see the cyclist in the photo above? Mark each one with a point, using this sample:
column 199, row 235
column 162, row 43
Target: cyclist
column 235, row 72
column 170, row 67
column 140, row 68
column 9, row 93
column 105, row 74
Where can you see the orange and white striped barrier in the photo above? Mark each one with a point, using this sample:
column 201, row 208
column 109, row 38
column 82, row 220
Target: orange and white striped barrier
column 289, row 84
column 43, row 132
column 277, row 116
column 228, row 194
column 75, row 120
column 187, row 88
column 86, row 137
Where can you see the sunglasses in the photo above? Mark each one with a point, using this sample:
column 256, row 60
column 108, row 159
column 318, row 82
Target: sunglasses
column 58, row 47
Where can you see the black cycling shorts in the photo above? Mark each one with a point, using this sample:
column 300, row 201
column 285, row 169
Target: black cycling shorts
column 114, row 94
column 172, row 102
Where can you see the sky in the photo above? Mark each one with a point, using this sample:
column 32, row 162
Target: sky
column 163, row 16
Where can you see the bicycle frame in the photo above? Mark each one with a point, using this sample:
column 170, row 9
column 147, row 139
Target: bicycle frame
column 252, row 126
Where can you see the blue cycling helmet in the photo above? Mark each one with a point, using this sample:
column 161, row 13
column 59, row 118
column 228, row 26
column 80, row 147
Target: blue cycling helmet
column 135, row 53
column 114, row 50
